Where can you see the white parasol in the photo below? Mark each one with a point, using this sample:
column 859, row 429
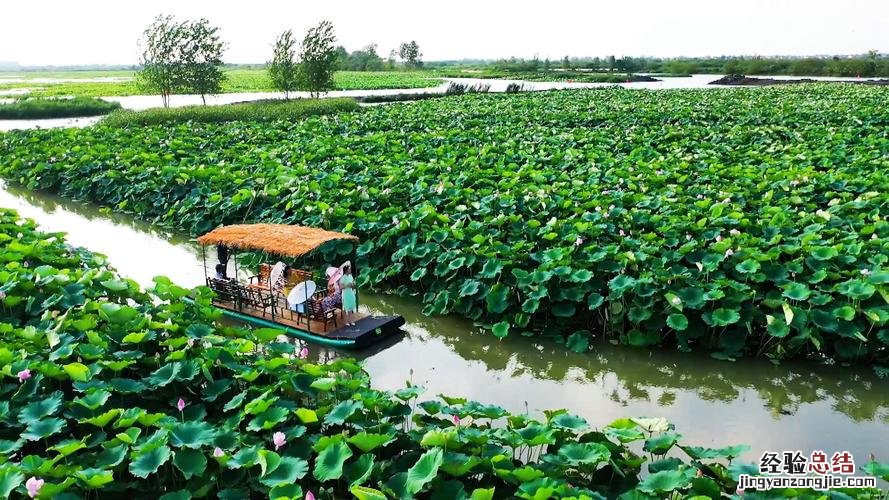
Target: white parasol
column 300, row 294
column 276, row 276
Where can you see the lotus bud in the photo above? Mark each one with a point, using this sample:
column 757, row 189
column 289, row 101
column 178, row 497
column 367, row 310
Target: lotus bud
column 865, row 271
column 218, row 452
column 279, row 439
column 180, row 404
column 33, row 486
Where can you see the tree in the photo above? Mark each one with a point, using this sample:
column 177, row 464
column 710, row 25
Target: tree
column 317, row 59
column 390, row 62
column 410, row 54
column 342, row 58
column 566, row 63
column 366, row 59
column 202, row 59
column 160, row 44
column 283, row 70
column 181, row 57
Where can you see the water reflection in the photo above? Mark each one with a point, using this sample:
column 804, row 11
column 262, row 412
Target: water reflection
column 791, row 406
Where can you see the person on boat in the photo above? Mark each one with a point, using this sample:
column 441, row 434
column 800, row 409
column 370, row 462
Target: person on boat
column 220, row 272
column 349, row 295
column 334, row 294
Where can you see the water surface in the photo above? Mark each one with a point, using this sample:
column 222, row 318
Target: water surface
column 794, row 406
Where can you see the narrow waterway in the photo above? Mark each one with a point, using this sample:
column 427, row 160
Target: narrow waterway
column 794, row 406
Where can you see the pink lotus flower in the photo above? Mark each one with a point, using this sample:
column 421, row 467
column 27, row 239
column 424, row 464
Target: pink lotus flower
column 621, row 232
column 24, row 375
column 33, row 485
column 729, row 252
column 456, row 420
column 865, row 271
column 180, row 404
column 578, row 241
column 218, row 452
column 718, row 238
column 734, row 232
column 3, row 294
column 310, row 495
column 279, row 440
column 304, row 353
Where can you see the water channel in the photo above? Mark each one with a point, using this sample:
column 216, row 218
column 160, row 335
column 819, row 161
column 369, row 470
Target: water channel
column 792, row 406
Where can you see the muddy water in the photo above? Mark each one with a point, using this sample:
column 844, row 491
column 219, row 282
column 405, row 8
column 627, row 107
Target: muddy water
column 794, row 406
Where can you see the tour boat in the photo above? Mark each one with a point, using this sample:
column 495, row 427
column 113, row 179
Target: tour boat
column 288, row 297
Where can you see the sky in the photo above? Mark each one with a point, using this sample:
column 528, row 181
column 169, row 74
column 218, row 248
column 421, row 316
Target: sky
column 69, row 32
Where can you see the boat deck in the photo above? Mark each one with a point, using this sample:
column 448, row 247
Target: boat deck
column 367, row 328
column 290, row 318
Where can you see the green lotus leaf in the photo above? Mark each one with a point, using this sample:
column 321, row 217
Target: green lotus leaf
column 570, row 422
column 584, row 454
column 824, row 253
column 306, row 415
column 724, row 317
column 700, row 453
column 45, row 407
column 95, row 478
column 163, row 375
column 578, row 341
column 342, row 411
column 423, row 471
column 748, row 266
column 10, row 479
column 69, row 446
column 856, row 289
column 323, row 384
column 620, row 284
column 192, row 434
column 42, row 429
column 289, row 471
column 500, row 329
column 664, row 481
column 639, row 338
column 268, row 419
column 497, row 298
column 469, row 287
column 661, row 443
column 491, row 269
column 148, row 463
column 846, row 313
column 78, row 372
column 677, row 321
column 796, row 291
column 365, row 493
column 359, row 471
column 563, row 309
column 329, row 462
column 482, row 494
column 93, row 400
column 594, row 301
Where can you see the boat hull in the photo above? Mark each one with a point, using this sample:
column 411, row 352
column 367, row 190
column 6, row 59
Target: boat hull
column 366, row 331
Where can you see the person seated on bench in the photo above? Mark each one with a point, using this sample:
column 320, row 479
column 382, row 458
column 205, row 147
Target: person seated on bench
column 220, row 272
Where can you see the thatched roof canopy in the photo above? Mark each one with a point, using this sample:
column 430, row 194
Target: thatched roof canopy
column 278, row 239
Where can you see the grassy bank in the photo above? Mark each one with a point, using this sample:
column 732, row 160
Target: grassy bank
column 237, row 80
column 123, row 392
column 678, row 219
column 37, row 108
column 261, row 111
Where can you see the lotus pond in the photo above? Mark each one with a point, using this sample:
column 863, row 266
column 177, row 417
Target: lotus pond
column 739, row 221
column 713, row 403
column 111, row 390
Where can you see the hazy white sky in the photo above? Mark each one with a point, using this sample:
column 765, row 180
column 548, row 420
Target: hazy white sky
column 99, row 31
